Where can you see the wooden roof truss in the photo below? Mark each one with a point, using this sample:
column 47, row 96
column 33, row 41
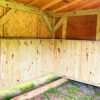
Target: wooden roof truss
column 52, row 27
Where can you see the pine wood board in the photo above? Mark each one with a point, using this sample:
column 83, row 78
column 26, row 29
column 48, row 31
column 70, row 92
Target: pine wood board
column 23, row 60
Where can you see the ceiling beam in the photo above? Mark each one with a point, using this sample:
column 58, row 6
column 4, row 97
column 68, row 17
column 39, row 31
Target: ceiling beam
column 87, row 4
column 21, row 7
column 53, row 2
column 76, row 13
column 66, row 5
column 33, row 2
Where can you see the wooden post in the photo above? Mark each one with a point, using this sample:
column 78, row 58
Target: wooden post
column 64, row 28
column 53, row 32
column 98, row 28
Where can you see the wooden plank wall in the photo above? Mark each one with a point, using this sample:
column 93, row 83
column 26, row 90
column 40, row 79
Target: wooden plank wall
column 78, row 60
column 25, row 60
column 24, row 25
column 79, row 28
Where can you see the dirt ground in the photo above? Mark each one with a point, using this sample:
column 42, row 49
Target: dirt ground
column 71, row 91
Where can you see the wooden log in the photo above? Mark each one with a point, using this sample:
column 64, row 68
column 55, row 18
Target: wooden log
column 40, row 90
column 27, row 86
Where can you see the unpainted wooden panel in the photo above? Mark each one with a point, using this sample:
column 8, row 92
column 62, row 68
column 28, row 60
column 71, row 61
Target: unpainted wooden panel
column 82, row 27
column 26, row 25
column 21, row 24
column 78, row 60
column 0, row 62
column 1, row 27
column 43, row 31
column 25, row 60
column 58, row 33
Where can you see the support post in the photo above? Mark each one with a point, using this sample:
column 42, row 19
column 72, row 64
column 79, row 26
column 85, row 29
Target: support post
column 98, row 28
column 53, row 32
column 64, row 28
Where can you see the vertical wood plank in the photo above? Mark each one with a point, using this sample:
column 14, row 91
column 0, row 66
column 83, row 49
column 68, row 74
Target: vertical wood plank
column 20, row 59
column 64, row 28
column 98, row 28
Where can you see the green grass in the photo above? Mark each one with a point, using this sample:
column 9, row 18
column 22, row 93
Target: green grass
column 73, row 90
column 75, row 84
column 7, row 94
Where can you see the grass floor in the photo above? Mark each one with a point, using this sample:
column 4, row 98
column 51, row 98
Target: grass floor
column 71, row 91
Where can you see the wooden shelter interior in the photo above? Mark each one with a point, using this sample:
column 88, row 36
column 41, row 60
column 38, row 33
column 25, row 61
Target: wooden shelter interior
column 39, row 37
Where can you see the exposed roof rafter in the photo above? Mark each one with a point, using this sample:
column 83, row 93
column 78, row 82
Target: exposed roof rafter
column 21, row 7
column 87, row 4
column 76, row 13
column 33, row 2
column 50, row 4
column 67, row 5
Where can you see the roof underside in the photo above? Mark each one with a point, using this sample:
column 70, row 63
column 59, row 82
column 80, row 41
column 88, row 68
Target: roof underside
column 61, row 5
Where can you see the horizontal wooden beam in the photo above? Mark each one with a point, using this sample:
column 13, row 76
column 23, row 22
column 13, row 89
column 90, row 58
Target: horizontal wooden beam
column 8, row 15
column 76, row 13
column 21, row 7
column 33, row 2
column 40, row 90
column 66, row 5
